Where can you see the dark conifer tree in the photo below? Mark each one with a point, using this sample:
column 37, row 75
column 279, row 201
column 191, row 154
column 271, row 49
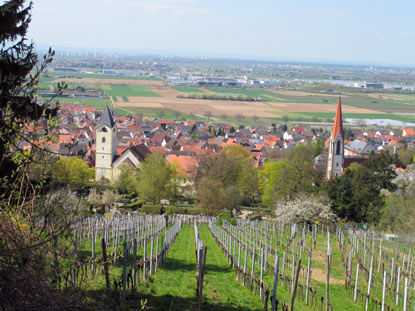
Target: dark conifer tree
column 19, row 77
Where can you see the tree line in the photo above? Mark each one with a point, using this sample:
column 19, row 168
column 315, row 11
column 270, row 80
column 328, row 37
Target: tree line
column 214, row 96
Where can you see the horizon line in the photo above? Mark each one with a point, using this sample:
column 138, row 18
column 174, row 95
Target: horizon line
column 186, row 54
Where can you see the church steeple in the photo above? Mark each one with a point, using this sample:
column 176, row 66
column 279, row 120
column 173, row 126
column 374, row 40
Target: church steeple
column 105, row 146
column 338, row 121
column 106, row 118
column 336, row 149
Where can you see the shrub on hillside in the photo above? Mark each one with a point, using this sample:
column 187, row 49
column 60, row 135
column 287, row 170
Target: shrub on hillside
column 152, row 209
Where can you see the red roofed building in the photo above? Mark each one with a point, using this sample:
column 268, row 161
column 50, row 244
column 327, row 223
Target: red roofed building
column 186, row 171
column 299, row 130
column 158, row 149
column 229, row 142
column 408, row 132
column 65, row 138
column 187, row 164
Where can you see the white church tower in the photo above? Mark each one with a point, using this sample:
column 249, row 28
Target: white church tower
column 105, row 146
column 336, row 149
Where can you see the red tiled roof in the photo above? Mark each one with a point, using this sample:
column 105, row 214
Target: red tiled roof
column 121, row 149
column 157, row 149
column 230, row 142
column 187, row 164
column 64, row 138
column 165, row 121
column 408, row 131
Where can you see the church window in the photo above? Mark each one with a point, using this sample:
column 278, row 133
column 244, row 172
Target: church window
column 337, row 164
column 103, row 139
column 104, row 129
column 102, row 156
column 338, row 147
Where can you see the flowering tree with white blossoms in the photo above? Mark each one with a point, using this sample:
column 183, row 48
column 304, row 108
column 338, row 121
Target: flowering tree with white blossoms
column 305, row 208
column 406, row 183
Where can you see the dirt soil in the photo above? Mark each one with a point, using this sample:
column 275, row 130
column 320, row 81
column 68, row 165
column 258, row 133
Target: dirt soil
column 321, row 276
column 168, row 99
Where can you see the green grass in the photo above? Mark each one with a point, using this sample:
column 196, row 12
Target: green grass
column 221, row 290
column 114, row 98
column 105, row 87
column 264, row 94
column 131, row 90
column 391, row 116
column 173, row 286
column 88, row 102
column 122, row 112
column 186, row 89
column 46, row 79
column 340, row 299
column 125, row 99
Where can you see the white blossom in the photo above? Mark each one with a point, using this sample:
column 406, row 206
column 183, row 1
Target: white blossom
column 305, row 208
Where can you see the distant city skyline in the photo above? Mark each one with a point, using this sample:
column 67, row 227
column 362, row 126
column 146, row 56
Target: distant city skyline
column 378, row 32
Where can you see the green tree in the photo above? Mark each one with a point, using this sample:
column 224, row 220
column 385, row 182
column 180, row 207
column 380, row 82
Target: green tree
column 231, row 169
column 356, row 195
column 299, row 161
column 18, row 61
column 127, row 181
column 407, row 155
column 398, row 214
column 251, row 186
column 291, row 176
column 213, row 195
column 29, row 221
column 318, row 146
column 382, row 166
column 73, row 171
column 156, row 178
column 278, row 182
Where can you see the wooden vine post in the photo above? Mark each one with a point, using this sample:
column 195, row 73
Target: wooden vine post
column 106, row 272
column 294, row 291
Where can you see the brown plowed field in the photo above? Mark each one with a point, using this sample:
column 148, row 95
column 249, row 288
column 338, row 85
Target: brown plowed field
column 168, row 99
column 302, row 107
column 199, row 106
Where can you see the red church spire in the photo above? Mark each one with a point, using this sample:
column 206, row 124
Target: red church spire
column 338, row 121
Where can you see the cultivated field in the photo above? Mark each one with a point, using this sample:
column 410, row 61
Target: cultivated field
column 271, row 109
column 152, row 97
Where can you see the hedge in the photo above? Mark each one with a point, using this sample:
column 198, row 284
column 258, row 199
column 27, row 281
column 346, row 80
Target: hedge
column 152, row 209
column 134, row 205
column 172, row 210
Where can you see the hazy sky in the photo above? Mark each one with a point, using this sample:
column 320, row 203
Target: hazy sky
column 357, row 31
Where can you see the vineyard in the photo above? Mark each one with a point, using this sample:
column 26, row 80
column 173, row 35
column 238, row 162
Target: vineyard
column 202, row 263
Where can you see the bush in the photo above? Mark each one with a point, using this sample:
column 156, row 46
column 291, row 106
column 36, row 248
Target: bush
column 188, row 210
column 224, row 216
column 152, row 209
column 134, row 205
column 123, row 200
column 130, row 196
